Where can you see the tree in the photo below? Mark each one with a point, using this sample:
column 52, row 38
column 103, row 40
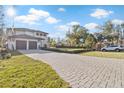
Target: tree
column 74, row 37
column 110, row 32
column 52, row 42
column 107, row 31
column 2, row 29
column 99, row 36
column 90, row 41
column 122, row 33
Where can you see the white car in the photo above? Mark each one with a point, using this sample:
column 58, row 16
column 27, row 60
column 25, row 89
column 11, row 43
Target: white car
column 112, row 48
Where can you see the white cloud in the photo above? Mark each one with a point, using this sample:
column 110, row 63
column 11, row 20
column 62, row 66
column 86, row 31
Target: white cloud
column 73, row 23
column 55, row 35
column 66, row 26
column 91, row 26
column 61, row 10
column 35, row 15
column 100, row 13
column 62, row 28
column 117, row 21
column 52, row 20
column 30, row 19
column 40, row 13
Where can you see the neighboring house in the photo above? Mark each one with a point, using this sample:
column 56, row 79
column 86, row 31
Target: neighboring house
column 25, row 39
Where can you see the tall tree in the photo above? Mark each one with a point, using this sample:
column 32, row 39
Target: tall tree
column 90, row 41
column 77, row 34
column 2, row 25
column 122, row 31
column 99, row 36
column 52, row 42
column 107, row 30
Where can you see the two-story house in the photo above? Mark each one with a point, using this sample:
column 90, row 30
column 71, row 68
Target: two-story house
column 26, row 39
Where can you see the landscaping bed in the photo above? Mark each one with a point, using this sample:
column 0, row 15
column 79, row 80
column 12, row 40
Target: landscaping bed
column 67, row 50
column 21, row 71
column 118, row 55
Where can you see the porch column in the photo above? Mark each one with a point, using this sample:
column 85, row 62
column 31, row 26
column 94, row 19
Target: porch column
column 27, row 44
column 37, row 44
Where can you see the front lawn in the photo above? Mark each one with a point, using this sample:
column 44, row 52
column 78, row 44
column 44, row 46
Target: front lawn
column 23, row 72
column 118, row 55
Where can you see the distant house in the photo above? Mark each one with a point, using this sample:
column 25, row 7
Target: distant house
column 25, row 39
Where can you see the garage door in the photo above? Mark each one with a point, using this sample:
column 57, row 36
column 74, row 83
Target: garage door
column 20, row 44
column 32, row 45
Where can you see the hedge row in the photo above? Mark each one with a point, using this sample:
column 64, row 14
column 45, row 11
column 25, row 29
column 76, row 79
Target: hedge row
column 69, row 47
column 65, row 51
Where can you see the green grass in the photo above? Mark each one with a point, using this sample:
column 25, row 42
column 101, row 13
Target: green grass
column 118, row 55
column 23, row 72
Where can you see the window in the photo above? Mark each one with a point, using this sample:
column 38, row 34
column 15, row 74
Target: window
column 40, row 34
column 113, row 46
column 37, row 34
column 44, row 34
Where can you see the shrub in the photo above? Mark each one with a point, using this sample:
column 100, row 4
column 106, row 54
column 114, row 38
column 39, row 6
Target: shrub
column 4, row 53
column 66, row 51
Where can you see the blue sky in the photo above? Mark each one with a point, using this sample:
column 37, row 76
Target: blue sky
column 57, row 19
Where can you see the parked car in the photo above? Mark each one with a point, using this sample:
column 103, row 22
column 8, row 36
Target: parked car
column 113, row 48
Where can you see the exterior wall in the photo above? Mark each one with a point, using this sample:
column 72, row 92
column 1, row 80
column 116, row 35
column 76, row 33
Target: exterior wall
column 11, row 44
column 44, row 42
column 40, row 43
column 19, row 33
column 24, row 32
column 30, row 33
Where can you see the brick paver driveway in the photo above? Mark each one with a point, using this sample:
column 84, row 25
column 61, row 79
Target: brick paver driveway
column 83, row 71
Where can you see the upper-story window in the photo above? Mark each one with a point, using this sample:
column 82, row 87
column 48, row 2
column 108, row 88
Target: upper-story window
column 44, row 34
column 37, row 34
column 40, row 34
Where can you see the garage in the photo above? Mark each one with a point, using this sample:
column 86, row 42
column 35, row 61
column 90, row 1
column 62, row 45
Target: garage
column 21, row 44
column 32, row 45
